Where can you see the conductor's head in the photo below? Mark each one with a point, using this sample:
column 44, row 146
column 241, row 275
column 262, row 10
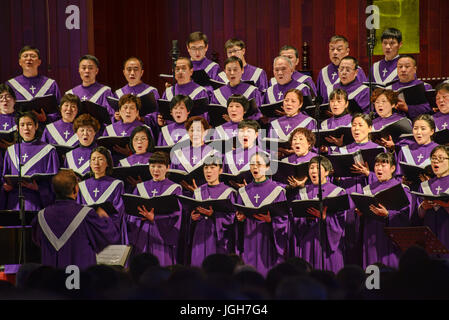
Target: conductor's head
column 65, row 184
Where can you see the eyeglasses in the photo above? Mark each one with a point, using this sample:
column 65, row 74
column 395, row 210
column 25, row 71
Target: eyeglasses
column 143, row 139
column 197, row 48
column 234, row 51
column 438, row 159
column 6, row 97
column 444, row 97
column 345, row 69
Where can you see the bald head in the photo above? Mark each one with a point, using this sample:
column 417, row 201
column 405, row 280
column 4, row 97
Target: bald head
column 65, row 184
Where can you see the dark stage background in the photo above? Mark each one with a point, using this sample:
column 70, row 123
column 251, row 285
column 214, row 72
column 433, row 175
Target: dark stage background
column 114, row 30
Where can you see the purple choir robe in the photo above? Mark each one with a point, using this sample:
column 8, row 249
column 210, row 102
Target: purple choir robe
column 172, row 134
column 211, row 235
column 437, row 219
column 221, row 95
column 120, row 129
column 237, row 160
column 161, row 236
column 282, row 127
column 264, row 244
column 377, row 247
column 211, row 68
column 384, row 71
column 8, row 122
column 415, row 154
column 250, row 73
column 356, row 91
column 413, row 110
column 441, row 121
column 35, row 157
column 28, row 88
column 277, row 92
column 343, row 120
column 88, row 234
column 298, row 77
column 191, row 89
column 96, row 93
column 78, row 159
column 294, row 159
column 139, row 90
column 305, row 232
column 106, row 189
column 135, row 159
column 328, row 76
column 226, row 131
column 379, row 123
column 60, row 133
column 188, row 158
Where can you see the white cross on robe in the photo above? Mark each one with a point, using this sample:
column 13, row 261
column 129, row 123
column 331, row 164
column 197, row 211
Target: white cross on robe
column 84, row 98
column 334, row 75
column 80, row 160
column 194, row 159
column 123, row 133
column 420, row 157
column 5, row 125
column 177, row 136
column 444, row 125
column 287, row 127
column 257, row 197
column 32, row 88
column 241, row 161
column 439, row 189
column 384, row 71
column 25, row 156
column 66, row 134
column 280, row 94
column 234, row 133
column 154, row 192
column 96, row 191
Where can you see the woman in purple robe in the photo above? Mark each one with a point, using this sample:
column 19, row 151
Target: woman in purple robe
column 7, row 114
column 377, row 247
column 61, row 131
column 141, row 144
column 305, row 231
column 265, row 236
column 175, row 132
column 385, row 102
column 101, row 188
column 153, row 233
column 418, row 152
column 34, row 157
column 441, row 118
column 211, row 231
column 86, row 128
column 435, row 213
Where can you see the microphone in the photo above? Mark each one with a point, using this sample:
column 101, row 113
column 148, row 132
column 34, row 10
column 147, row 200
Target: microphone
column 174, row 57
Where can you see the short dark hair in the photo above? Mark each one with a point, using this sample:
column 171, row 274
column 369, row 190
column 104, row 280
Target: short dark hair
column 28, row 114
column 70, row 98
column 391, row 95
column 159, row 157
column 441, row 86
column 356, row 62
column 288, row 47
column 107, row 154
column 203, row 121
column 391, row 33
column 385, row 157
column 238, row 98
column 338, row 37
column 147, row 132
column 298, row 94
column 402, row 56
column 366, row 117
column 133, row 58
column 310, row 136
column 325, row 162
column 233, row 42
column 213, row 159
column 264, row 156
column 181, row 98
column 6, row 88
column 86, row 120
column 338, row 93
column 249, row 124
column 440, row 147
column 233, row 59
column 427, row 118
column 64, row 183
column 29, row 48
column 197, row 36
column 126, row 98
column 91, row 58
column 188, row 60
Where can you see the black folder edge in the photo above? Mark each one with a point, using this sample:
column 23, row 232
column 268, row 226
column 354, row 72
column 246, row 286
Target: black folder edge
column 131, row 202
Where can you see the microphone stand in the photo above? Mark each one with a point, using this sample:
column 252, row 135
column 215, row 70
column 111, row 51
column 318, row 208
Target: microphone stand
column 174, row 57
column 23, row 253
column 371, row 45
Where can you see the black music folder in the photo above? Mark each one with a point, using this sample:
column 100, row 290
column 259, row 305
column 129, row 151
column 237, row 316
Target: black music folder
column 135, row 171
column 276, row 209
column 228, row 178
column 269, row 109
column 429, row 196
column 200, row 77
column 441, row 136
column 285, row 170
column 178, row 176
column 413, row 95
column 149, row 104
column 106, row 206
column 38, row 177
column 223, row 205
column 324, row 111
column 412, row 172
column 333, row 204
column 161, row 204
column 395, row 130
column 336, row 133
column 216, row 113
column 342, row 163
column 110, row 142
column 48, row 103
column 8, row 135
column 95, row 110
column 10, row 218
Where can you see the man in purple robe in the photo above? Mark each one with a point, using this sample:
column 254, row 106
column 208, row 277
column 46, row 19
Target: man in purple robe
column 357, row 91
column 283, row 70
column 7, row 114
column 157, row 234
column 237, row 48
column 292, row 54
column 36, row 157
column 234, row 70
column 407, row 78
column 265, row 235
column 328, row 76
column 211, row 231
column 306, row 241
column 90, row 89
column 69, row 233
column 385, row 70
column 197, row 45
column 31, row 84
column 133, row 72
column 441, row 118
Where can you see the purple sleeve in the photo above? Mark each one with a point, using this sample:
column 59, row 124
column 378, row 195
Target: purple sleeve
column 418, row 109
column 100, row 231
column 262, row 82
column 280, row 229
